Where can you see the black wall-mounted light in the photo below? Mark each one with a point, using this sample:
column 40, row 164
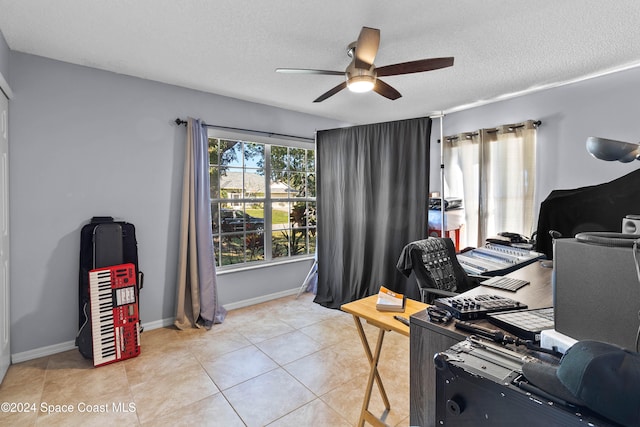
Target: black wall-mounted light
column 611, row 150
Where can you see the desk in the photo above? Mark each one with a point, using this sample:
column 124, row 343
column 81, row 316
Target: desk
column 428, row 338
column 365, row 308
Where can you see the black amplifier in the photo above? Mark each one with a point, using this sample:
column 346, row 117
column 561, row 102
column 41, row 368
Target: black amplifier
column 478, row 306
column 479, row 383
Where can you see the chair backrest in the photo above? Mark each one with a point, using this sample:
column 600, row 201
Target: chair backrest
column 435, row 265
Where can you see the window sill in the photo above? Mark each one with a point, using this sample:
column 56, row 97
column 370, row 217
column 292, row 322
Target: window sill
column 221, row 271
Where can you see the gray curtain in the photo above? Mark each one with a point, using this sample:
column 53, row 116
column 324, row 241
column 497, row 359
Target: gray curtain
column 197, row 294
column 372, row 193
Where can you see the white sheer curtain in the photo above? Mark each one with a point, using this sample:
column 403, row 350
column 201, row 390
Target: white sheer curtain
column 493, row 170
column 462, row 179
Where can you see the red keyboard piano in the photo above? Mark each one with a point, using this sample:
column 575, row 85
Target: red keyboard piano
column 115, row 323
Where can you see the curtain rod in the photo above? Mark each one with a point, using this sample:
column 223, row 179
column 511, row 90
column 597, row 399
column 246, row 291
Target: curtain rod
column 511, row 128
column 179, row 122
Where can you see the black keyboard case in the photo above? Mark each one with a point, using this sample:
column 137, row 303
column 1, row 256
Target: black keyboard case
column 103, row 243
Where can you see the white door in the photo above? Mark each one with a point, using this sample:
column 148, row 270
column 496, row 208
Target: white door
column 5, row 320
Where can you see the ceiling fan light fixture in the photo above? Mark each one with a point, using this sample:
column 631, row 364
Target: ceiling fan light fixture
column 361, row 74
column 360, row 84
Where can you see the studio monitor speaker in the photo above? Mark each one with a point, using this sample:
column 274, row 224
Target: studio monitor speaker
column 596, row 290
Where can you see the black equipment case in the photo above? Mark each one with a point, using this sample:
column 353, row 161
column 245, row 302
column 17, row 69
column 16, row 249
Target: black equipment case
column 479, row 383
column 103, row 243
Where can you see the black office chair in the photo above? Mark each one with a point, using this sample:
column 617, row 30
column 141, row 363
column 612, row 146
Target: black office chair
column 436, row 268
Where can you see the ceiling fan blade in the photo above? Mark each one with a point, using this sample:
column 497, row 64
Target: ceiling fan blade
column 414, row 66
column 367, row 47
column 385, row 90
column 308, row 71
column 331, row 92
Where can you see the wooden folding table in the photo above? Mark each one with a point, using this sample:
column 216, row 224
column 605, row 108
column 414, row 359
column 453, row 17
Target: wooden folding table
column 365, row 308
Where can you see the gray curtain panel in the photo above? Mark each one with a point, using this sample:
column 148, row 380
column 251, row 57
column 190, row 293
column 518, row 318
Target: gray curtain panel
column 197, row 293
column 372, row 194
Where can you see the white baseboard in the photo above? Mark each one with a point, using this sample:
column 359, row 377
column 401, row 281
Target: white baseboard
column 70, row 345
column 157, row 324
column 42, row 351
column 260, row 299
column 149, row 326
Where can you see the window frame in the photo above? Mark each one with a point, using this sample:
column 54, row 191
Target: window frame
column 266, row 201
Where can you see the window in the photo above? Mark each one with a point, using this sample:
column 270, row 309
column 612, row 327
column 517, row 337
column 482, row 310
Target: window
column 494, row 172
column 263, row 201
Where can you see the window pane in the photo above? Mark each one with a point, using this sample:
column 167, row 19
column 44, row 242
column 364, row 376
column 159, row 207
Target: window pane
column 297, row 214
column 280, row 243
column 299, row 241
column 280, row 229
column 216, row 249
column 214, row 151
column 311, row 185
column 297, row 159
column 231, row 153
column 238, row 217
column 255, row 246
column 298, row 183
column 254, row 155
column 231, row 183
column 311, row 161
column 214, row 182
column 299, row 233
column 254, row 184
column 225, row 152
column 215, row 218
column 312, row 240
column 280, row 188
column 311, row 214
column 232, row 250
column 278, row 158
column 231, row 217
column 279, row 215
column 254, row 217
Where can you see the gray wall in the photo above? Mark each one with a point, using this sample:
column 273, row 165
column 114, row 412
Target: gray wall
column 605, row 106
column 85, row 142
column 4, row 60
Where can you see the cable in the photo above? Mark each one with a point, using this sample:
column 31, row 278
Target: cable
column 438, row 315
column 86, row 319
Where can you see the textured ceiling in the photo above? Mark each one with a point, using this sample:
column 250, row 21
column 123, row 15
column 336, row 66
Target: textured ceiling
column 232, row 47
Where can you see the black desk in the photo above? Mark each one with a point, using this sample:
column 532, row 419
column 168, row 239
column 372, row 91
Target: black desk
column 428, row 338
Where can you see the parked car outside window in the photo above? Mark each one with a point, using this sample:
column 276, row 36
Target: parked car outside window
column 236, row 220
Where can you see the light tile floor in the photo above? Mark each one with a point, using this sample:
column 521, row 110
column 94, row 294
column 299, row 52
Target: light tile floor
column 287, row 362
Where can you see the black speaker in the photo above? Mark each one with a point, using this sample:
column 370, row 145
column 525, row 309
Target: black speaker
column 596, row 288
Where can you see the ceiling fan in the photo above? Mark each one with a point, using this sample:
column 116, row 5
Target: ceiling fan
column 362, row 75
